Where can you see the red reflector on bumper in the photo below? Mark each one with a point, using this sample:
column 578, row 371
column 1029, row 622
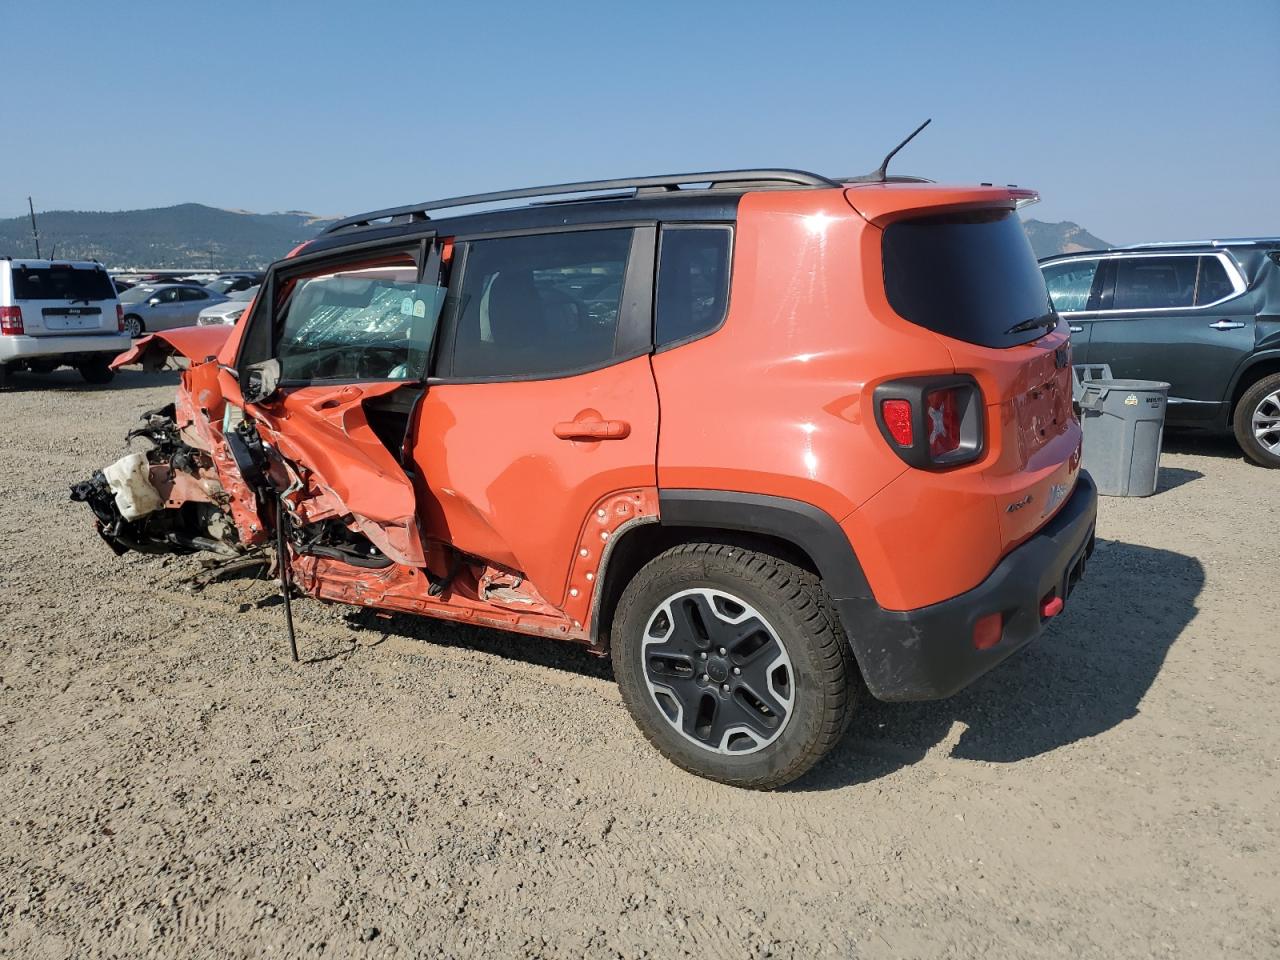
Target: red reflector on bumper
column 987, row 631
column 1051, row 607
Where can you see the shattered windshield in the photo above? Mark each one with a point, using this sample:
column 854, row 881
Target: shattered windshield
column 375, row 324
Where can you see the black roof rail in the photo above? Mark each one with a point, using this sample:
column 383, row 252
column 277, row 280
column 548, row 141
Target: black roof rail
column 640, row 185
column 1230, row 242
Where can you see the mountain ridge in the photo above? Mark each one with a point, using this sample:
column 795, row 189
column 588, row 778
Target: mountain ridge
column 186, row 235
column 199, row 237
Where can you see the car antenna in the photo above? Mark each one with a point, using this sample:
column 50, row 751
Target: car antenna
column 35, row 233
column 881, row 175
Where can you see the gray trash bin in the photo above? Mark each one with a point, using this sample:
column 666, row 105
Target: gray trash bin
column 1082, row 373
column 1123, row 427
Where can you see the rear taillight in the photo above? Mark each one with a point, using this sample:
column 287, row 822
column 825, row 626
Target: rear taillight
column 932, row 422
column 119, row 319
column 942, row 410
column 11, row 321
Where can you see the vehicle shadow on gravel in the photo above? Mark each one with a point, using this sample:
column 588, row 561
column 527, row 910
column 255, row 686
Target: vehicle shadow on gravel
column 1200, row 444
column 1085, row 675
column 553, row 654
column 69, row 381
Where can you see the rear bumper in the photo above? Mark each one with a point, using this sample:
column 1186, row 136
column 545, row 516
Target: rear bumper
column 928, row 653
column 24, row 347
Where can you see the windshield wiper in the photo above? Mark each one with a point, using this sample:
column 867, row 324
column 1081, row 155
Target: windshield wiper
column 1048, row 321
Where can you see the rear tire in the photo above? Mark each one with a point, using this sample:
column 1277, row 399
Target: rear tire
column 766, row 709
column 1257, row 422
column 97, row 371
column 4, row 376
column 133, row 326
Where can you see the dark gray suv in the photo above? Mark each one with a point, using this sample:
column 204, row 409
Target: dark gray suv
column 1203, row 316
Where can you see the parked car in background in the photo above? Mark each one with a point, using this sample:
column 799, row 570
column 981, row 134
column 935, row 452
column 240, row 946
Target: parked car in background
column 149, row 308
column 898, row 509
column 122, row 285
column 58, row 313
column 1204, row 316
column 228, row 283
column 229, row 311
column 156, row 278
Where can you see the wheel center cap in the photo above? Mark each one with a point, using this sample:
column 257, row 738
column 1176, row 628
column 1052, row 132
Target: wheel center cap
column 717, row 670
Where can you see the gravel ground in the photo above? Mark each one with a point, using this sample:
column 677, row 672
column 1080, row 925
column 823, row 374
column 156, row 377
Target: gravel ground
column 173, row 786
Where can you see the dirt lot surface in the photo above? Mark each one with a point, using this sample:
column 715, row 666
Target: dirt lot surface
column 171, row 785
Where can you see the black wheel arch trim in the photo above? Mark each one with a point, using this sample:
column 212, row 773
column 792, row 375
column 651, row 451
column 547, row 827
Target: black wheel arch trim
column 801, row 524
column 1241, row 375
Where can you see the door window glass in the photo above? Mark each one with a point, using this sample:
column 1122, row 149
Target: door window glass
column 1070, row 284
column 192, row 293
column 1214, row 283
column 693, row 282
column 1153, row 283
column 369, row 323
column 540, row 305
column 169, row 295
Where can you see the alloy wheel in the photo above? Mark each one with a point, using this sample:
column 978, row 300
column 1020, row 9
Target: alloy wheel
column 133, row 327
column 718, row 671
column 1266, row 422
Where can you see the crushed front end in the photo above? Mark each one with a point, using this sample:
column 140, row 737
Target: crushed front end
column 192, row 480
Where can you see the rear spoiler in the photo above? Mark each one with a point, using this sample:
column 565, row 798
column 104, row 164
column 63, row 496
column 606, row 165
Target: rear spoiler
column 881, row 202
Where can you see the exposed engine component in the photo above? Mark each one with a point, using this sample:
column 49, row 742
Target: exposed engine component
column 165, row 499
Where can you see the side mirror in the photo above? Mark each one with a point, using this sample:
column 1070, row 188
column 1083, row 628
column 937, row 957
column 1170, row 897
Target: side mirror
column 153, row 302
column 261, row 381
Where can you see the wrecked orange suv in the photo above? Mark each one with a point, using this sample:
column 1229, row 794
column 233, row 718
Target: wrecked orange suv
column 768, row 439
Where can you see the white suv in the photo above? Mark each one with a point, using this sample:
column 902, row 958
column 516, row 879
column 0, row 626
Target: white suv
column 56, row 313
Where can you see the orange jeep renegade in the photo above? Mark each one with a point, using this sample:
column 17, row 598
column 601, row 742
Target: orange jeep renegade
column 766, row 438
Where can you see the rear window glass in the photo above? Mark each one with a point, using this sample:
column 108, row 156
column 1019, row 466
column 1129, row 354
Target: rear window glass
column 969, row 276
column 61, row 283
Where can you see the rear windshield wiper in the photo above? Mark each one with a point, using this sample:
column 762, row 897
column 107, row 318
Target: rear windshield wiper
column 1048, row 321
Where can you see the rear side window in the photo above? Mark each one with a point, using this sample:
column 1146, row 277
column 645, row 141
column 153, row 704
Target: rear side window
column 540, row 305
column 693, row 282
column 1154, row 283
column 1070, row 284
column 969, row 276
column 1214, row 284
column 61, row 283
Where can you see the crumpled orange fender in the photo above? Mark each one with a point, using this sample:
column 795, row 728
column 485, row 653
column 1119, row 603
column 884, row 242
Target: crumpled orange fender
column 324, row 429
column 197, row 344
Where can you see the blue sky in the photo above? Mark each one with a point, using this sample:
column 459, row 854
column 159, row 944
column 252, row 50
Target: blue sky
column 1141, row 120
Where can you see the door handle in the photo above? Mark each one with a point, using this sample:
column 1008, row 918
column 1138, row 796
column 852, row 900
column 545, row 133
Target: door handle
column 1226, row 325
column 592, row 430
column 1075, row 329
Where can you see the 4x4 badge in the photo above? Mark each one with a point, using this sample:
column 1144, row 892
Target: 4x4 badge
column 1018, row 504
